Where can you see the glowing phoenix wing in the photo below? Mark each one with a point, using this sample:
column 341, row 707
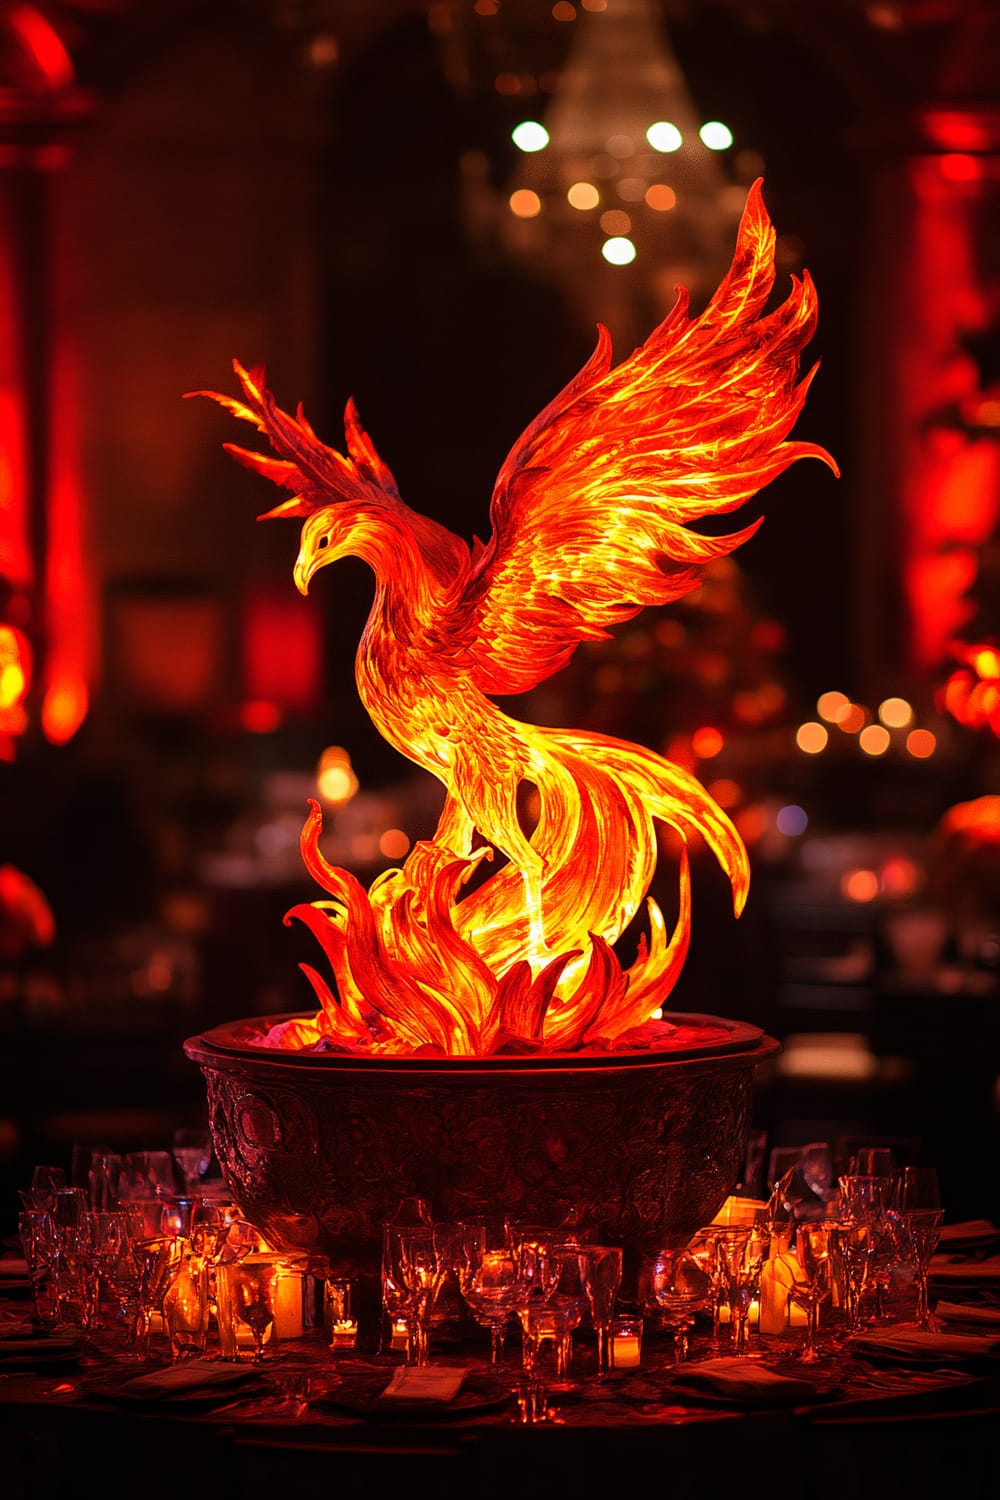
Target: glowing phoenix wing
column 590, row 509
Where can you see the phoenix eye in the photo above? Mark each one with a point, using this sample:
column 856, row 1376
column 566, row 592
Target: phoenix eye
column 324, row 541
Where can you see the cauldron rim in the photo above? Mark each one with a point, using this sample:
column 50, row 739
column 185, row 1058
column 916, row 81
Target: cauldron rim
column 229, row 1041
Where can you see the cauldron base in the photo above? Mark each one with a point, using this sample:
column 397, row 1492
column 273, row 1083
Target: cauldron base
column 319, row 1151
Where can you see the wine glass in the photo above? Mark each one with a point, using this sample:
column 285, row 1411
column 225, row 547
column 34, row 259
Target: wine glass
column 251, row 1293
column 852, row 1243
column 917, row 1187
column 156, row 1261
column 922, row 1229
column 192, row 1151
column 601, row 1272
column 415, row 1268
column 680, row 1288
column 740, row 1255
column 104, row 1238
column 45, row 1183
column 488, row 1280
column 40, row 1243
column 812, row 1251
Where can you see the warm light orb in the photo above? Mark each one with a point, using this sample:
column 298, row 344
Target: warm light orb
column 830, row 706
column 852, row 719
column 859, row 885
column 811, row 737
column 706, row 742
column 583, row 195
column 618, row 251
column 394, row 844
column 716, row 136
column 530, row 136
column 335, row 780
column 664, row 137
column 875, row 739
column 661, row 197
column 895, row 713
column 525, row 204
column 921, row 743
column 616, row 222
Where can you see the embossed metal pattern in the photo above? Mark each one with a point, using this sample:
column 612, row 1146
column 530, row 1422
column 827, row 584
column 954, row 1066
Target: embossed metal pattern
column 320, row 1157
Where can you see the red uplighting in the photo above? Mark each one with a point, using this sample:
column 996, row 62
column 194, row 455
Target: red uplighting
column 43, row 46
column 259, row 717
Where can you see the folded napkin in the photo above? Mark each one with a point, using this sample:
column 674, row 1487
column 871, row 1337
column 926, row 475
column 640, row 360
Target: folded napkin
column 188, row 1377
column 743, row 1380
column 945, row 1268
column 11, row 1266
column 932, row 1348
column 425, row 1383
column 969, row 1232
column 967, row 1312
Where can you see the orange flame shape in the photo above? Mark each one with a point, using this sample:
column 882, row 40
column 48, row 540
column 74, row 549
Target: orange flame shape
column 589, row 518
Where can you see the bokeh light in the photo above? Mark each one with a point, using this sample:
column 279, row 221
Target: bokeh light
column 335, row 780
column 394, row 843
column 663, row 136
column 875, row 739
column 859, row 885
column 706, row 742
column 530, row 136
column 660, row 197
column 715, row 135
column 616, row 222
column 811, row 737
column 792, row 820
column 895, row 713
column 618, row 251
column 583, row 195
column 921, row 743
column 830, row 706
column 852, row 719
column 525, row 204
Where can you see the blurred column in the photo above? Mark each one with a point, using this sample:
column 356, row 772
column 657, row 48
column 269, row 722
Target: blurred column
column 42, row 581
column 930, row 417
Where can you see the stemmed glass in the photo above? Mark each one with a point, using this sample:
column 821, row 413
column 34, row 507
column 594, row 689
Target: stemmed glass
column 489, row 1281
column 104, row 1239
column 680, row 1288
column 40, row 1243
column 415, row 1265
column 852, row 1243
column 601, row 1272
column 156, row 1262
column 192, row 1151
column 922, row 1229
column 812, row 1251
column 251, row 1290
column 741, row 1253
column 917, row 1187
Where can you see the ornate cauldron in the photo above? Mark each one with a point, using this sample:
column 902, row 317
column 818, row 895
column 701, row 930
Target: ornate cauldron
column 320, row 1150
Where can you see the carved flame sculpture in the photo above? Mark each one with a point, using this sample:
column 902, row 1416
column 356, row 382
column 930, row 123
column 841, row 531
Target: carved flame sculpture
column 589, row 525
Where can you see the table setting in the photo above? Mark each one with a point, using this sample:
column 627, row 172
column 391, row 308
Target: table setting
column 792, row 1303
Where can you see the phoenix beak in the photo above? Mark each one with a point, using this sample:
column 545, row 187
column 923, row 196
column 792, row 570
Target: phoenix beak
column 305, row 567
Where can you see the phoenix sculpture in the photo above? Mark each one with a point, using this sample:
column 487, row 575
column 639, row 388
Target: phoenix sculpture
column 590, row 520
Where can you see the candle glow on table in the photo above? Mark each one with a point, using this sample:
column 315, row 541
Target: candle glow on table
column 400, row 1335
column 777, row 1312
column 626, row 1351
column 286, row 1303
